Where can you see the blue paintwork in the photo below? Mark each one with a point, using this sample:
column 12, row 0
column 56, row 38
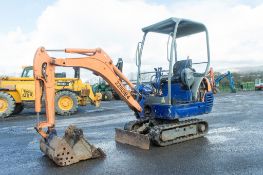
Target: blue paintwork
column 178, row 92
column 172, row 112
column 145, row 90
column 183, row 105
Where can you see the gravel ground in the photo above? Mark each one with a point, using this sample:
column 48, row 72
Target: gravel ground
column 233, row 145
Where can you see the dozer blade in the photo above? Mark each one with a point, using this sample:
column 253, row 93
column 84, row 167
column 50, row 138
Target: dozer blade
column 72, row 148
column 132, row 138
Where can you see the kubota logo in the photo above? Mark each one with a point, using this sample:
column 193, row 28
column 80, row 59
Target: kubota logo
column 122, row 89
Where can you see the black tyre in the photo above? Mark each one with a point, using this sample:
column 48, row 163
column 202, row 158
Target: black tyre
column 107, row 96
column 7, row 105
column 116, row 96
column 19, row 107
column 66, row 103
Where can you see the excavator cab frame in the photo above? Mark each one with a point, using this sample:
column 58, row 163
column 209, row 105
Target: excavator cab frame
column 28, row 72
column 175, row 28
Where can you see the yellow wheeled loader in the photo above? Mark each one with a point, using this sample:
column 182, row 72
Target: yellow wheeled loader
column 19, row 92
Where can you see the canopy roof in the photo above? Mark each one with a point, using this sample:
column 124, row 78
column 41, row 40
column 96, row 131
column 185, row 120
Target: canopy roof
column 185, row 27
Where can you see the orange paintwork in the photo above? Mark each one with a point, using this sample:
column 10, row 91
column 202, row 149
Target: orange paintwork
column 95, row 60
column 212, row 77
column 209, row 87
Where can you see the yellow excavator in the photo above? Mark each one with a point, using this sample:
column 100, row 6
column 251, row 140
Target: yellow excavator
column 162, row 107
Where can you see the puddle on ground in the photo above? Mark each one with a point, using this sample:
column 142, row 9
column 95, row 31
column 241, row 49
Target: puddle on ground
column 94, row 110
column 216, row 135
column 223, row 130
column 218, row 139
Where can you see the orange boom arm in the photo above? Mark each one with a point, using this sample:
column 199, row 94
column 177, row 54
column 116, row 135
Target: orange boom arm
column 95, row 60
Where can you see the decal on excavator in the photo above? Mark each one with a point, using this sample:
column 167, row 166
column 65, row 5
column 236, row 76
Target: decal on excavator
column 63, row 83
column 27, row 93
column 122, row 89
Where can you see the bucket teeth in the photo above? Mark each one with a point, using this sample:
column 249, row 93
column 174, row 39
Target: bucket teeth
column 72, row 148
column 97, row 153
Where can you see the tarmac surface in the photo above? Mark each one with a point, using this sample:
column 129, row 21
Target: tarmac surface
column 233, row 145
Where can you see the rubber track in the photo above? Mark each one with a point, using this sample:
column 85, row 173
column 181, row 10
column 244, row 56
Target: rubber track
column 155, row 133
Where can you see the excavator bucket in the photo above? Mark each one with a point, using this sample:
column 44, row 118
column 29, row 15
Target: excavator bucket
column 132, row 138
column 72, row 148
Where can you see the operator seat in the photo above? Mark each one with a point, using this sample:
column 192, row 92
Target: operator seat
column 178, row 67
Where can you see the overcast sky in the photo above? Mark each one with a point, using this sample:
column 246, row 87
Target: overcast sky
column 235, row 28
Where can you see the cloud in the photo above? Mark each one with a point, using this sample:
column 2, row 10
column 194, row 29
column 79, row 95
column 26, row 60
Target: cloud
column 235, row 30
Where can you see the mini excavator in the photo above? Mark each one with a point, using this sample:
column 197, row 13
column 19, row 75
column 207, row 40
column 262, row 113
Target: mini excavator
column 160, row 106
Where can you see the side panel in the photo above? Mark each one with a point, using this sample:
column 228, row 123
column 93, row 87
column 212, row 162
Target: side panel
column 67, row 83
column 25, row 89
column 178, row 92
column 170, row 112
